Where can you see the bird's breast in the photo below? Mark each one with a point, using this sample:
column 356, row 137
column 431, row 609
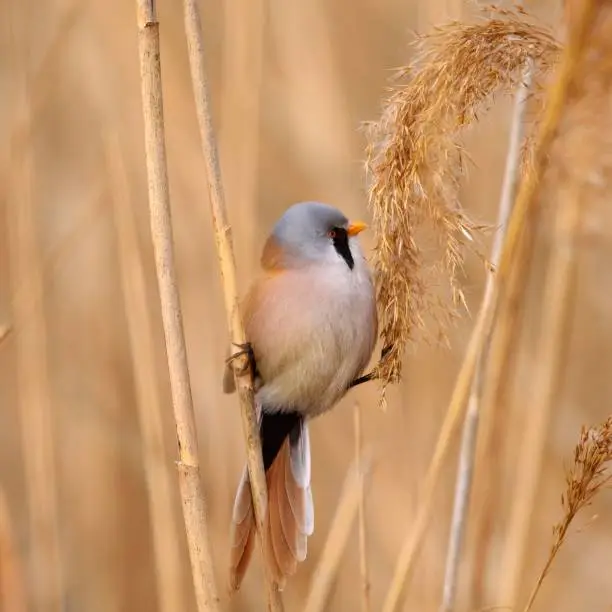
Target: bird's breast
column 312, row 331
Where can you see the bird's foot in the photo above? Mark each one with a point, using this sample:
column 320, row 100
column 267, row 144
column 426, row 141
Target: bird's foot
column 373, row 375
column 240, row 365
column 363, row 379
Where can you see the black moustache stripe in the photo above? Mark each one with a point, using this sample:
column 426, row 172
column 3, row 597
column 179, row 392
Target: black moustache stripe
column 341, row 244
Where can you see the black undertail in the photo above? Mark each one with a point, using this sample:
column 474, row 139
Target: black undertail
column 273, row 430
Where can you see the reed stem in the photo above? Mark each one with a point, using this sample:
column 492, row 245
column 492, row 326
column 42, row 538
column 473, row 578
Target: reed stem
column 166, row 542
column 225, row 252
column 192, row 494
column 469, row 438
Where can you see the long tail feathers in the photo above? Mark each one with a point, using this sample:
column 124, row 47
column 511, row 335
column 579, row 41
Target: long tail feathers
column 243, row 532
column 290, row 516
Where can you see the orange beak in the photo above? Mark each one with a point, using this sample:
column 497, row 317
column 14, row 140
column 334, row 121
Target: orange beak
column 355, row 228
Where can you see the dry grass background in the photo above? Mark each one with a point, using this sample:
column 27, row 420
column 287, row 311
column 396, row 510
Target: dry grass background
column 291, row 83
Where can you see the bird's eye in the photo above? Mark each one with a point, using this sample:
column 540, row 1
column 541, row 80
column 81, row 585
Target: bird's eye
column 332, row 233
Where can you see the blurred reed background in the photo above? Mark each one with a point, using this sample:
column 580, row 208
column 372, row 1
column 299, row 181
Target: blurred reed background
column 291, row 83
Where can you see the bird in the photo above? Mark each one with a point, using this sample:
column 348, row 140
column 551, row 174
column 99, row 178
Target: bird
column 311, row 323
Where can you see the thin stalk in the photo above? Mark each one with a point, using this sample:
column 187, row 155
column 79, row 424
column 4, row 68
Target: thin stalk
column 225, row 252
column 363, row 544
column 494, row 410
column 412, row 544
column 470, row 427
column 502, row 352
column 557, row 308
column 160, row 490
column 521, row 215
column 192, row 494
column 337, row 539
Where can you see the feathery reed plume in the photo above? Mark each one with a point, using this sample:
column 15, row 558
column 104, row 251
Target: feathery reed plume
column 166, row 543
column 12, row 591
column 192, row 494
column 512, row 253
column 33, row 384
column 588, row 475
column 414, row 159
column 225, row 252
column 338, row 536
column 470, row 429
column 577, row 175
column 361, row 517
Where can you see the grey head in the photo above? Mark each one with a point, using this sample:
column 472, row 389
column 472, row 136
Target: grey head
column 315, row 232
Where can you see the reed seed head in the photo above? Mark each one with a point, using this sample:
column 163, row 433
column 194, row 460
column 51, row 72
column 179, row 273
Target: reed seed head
column 415, row 162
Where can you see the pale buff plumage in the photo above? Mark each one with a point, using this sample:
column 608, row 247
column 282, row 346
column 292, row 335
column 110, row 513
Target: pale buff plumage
column 311, row 322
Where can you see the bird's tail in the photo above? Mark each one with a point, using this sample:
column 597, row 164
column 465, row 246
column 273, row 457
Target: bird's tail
column 289, row 517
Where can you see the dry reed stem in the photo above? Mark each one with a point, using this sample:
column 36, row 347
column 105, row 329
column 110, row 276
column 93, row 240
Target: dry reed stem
column 503, row 349
column 225, row 252
column 470, row 428
column 494, row 411
column 12, row 588
column 361, row 517
column 550, row 357
column 588, row 475
column 415, row 161
column 521, row 215
column 412, row 544
column 338, row 536
column 192, row 494
column 34, row 387
column 160, row 489
column 579, row 170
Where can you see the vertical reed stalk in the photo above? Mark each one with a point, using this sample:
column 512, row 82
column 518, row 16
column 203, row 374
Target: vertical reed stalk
column 166, row 541
column 192, row 494
column 556, row 311
column 225, row 252
column 412, row 544
column 361, row 517
column 494, row 413
column 502, row 293
column 503, row 346
column 337, row 539
column 470, row 427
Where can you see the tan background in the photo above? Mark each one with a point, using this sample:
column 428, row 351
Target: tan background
column 323, row 72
